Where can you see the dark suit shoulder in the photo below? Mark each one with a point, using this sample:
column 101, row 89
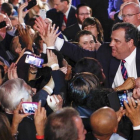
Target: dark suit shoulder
column 71, row 31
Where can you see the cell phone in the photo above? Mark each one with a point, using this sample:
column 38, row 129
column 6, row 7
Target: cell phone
column 29, row 107
column 2, row 24
column 31, row 4
column 122, row 95
column 42, row 13
column 36, row 61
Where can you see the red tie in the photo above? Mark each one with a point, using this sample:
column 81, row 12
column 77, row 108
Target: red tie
column 65, row 19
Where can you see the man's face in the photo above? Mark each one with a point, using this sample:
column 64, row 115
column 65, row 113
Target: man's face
column 87, row 42
column 80, row 128
column 59, row 6
column 120, row 48
column 131, row 15
column 83, row 13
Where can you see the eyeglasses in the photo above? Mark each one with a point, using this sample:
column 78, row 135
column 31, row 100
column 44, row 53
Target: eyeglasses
column 86, row 14
column 129, row 15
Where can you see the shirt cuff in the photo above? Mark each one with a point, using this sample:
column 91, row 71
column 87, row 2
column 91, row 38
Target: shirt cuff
column 136, row 127
column 59, row 43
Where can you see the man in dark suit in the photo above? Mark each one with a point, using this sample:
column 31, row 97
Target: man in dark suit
column 83, row 11
column 63, row 14
column 122, row 47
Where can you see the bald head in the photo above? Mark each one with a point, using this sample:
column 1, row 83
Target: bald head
column 104, row 122
column 131, row 13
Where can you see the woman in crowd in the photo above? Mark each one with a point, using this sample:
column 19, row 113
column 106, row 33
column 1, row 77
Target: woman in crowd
column 93, row 25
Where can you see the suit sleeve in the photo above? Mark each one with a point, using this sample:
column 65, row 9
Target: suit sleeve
column 136, row 134
column 75, row 53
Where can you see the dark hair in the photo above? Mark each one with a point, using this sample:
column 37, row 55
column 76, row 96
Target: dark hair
column 80, row 86
column 131, row 32
column 98, row 98
column 82, row 33
column 5, row 131
column 88, row 64
column 61, row 126
column 82, row 5
column 94, row 21
column 7, row 8
column 68, row 1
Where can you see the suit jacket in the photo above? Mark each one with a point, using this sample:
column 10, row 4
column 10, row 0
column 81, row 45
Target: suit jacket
column 109, row 63
column 72, row 31
column 57, row 17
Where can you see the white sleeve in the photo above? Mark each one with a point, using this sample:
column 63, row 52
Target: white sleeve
column 59, row 43
column 136, row 127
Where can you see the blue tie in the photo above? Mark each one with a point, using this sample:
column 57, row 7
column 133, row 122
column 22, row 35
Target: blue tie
column 123, row 70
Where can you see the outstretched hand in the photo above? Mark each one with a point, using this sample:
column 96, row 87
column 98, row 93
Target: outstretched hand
column 133, row 111
column 52, row 59
column 25, row 36
column 40, row 119
column 21, row 13
column 17, row 118
column 47, row 33
column 12, row 71
column 55, row 102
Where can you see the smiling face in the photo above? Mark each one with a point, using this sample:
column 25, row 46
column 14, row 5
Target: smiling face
column 87, row 42
column 120, row 48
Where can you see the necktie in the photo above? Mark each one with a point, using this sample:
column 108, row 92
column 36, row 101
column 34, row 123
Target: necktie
column 65, row 19
column 123, row 70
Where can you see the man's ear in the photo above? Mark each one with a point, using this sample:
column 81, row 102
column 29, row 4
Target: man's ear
column 76, row 15
column 131, row 43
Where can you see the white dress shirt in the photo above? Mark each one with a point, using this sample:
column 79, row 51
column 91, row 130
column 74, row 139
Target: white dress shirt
column 66, row 14
column 130, row 66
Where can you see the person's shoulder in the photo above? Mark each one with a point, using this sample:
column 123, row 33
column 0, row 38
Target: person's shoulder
column 73, row 7
column 73, row 26
column 52, row 11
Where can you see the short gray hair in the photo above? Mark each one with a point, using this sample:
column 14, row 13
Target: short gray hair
column 11, row 93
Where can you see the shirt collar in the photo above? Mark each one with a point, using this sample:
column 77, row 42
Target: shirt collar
column 131, row 57
column 138, row 27
column 67, row 13
column 80, row 26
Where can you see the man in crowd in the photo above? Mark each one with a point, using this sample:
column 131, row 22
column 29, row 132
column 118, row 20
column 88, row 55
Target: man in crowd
column 83, row 11
column 104, row 124
column 63, row 14
column 131, row 14
column 65, row 124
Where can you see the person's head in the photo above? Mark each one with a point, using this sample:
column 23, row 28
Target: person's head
column 93, row 25
column 124, row 39
column 7, row 8
column 12, row 92
column 88, row 64
column 136, row 1
column 65, row 124
column 15, row 46
column 98, row 98
column 104, row 123
column 5, row 129
column 14, row 21
column 131, row 13
column 82, row 12
column 2, row 30
column 61, row 5
column 85, row 40
column 81, row 85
